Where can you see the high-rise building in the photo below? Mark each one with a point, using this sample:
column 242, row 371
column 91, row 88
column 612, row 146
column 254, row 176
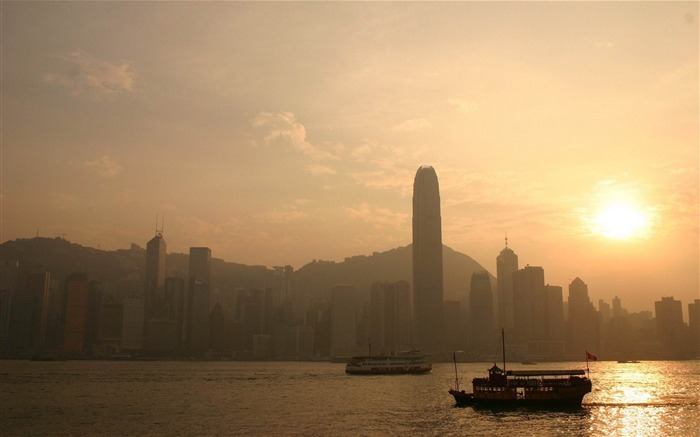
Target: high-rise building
column 427, row 261
column 481, row 313
column 155, row 278
column 506, row 266
column 198, row 300
column 390, row 316
column 82, row 315
column 670, row 326
column 529, row 299
column 583, row 326
column 132, row 325
column 343, row 321
column 694, row 324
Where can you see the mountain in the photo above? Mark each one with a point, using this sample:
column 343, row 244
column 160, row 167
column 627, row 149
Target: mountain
column 61, row 258
column 393, row 265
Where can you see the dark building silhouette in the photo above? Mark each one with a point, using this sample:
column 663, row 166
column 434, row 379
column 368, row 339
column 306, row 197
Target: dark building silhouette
column 28, row 315
column 506, row 266
column 529, row 303
column 670, row 327
column 481, row 314
column 81, row 330
column 155, row 278
column 427, row 261
column 390, row 316
column 694, row 325
column 583, row 327
column 198, row 301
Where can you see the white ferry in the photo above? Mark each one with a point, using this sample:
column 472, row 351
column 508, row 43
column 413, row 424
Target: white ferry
column 403, row 363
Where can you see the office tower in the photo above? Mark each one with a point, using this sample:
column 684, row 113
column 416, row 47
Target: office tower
column 670, row 326
column 617, row 310
column 427, row 261
column 390, row 316
column 111, row 326
column 9, row 283
column 82, row 315
column 155, row 277
column 132, row 326
column 253, row 311
column 506, row 266
column 481, row 313
column 343, row 321
column 552, row 346
column 604, row 310
column 530, row 303
column 694, row 324
column 28, row 315
column 175, row 298
column 198, row 300
column 582, row 330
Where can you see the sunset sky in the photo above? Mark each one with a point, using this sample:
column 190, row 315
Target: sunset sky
column 279, row 133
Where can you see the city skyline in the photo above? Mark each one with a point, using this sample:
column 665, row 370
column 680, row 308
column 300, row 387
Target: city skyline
column 261, row 137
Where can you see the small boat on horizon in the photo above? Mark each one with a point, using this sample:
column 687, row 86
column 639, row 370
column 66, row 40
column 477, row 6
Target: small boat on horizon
column 528, row 388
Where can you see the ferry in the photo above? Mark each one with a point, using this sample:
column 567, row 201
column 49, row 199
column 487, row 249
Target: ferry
column 401, row 364
column 515, row 388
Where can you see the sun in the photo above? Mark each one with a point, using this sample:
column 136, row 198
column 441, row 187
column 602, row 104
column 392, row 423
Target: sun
column 620, row 221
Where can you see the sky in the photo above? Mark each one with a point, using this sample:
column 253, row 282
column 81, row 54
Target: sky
column 282, row 132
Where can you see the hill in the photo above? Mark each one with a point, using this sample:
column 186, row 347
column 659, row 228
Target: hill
column 61, row 258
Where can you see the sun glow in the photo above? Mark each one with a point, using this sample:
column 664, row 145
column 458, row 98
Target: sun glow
column 620, row 221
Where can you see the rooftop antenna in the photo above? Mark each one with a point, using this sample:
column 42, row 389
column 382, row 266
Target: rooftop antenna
column 159, row 232
column 506, row 239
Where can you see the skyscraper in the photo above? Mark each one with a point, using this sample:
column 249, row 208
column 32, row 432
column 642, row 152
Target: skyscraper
column 506, row 265
column 155, row 277
column 198, row 305
column 481, row 312
column 427, row 260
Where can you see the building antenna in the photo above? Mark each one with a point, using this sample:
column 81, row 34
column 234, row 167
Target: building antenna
column 159, row 232
column 506, row 239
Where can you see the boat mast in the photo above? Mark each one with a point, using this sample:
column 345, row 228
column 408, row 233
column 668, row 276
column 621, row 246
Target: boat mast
column 503, row 344
column 454, row 358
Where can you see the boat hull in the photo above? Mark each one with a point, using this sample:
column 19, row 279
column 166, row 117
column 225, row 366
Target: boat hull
column 571, row 399
column 388, row 371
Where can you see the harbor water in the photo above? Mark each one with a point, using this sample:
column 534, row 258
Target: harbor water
column 207, row 398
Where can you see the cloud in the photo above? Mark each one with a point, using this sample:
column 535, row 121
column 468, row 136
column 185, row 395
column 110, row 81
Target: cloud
column 105, row 166
column 283, row 129
column 87, row 76
column 413, row 125
column 379, row 217
column 466, row 107
column 606, row 44
column 287, row 215
column 318, row 170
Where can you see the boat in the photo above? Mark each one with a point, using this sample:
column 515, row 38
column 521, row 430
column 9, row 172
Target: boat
column 526, row 388
column 628, row 361
column 411, row 362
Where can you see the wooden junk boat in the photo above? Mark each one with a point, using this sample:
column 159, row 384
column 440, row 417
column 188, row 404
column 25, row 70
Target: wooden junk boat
column 514, row 388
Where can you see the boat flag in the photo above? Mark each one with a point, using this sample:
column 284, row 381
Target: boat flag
column 591, row 357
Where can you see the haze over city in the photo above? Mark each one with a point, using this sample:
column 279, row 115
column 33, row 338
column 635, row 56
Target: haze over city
column 279, row 133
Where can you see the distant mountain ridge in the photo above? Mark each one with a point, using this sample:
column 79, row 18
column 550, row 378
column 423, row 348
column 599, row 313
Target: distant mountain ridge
column 317, row 278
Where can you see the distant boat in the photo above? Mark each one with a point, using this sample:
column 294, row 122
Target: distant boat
column 536, row 388
column 411, row 362
column 628, row 361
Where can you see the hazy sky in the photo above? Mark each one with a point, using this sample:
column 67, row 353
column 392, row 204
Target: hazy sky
column 279, row 133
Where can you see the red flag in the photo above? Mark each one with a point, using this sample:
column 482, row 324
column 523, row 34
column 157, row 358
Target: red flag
column 591, row 357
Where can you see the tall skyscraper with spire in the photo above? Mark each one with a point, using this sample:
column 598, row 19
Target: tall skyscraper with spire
column 155, row 277
column 506, row 265
column 427, row 261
